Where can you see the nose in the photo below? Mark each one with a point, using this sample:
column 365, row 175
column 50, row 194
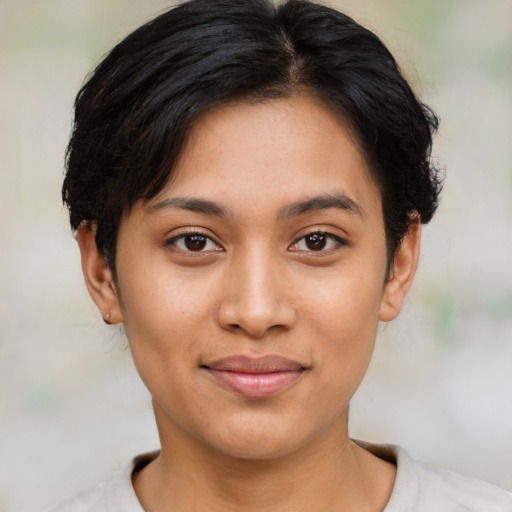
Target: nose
column 256, row 298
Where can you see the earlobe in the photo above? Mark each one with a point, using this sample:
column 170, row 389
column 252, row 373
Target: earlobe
column 98, row 276
column 402, row 273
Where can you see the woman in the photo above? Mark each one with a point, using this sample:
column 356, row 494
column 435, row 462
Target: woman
column 247, row 184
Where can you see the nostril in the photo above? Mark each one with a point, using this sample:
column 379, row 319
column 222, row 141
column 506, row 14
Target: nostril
column 256, row 305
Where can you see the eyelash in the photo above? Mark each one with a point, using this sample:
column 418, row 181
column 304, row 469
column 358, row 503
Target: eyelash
column 183, row 236
column 327, row 237
column 324, row 237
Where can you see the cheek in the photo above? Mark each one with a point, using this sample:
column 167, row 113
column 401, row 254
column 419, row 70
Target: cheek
column 345, row 300
column 163, row 318
column 344, row 318
column 163, row 311
column 160, row 295
column 347, row 336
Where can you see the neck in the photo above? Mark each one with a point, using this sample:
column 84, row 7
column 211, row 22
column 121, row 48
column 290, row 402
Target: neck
column 329, row 474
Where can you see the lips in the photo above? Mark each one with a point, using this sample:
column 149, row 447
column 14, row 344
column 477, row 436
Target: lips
column 255, row 377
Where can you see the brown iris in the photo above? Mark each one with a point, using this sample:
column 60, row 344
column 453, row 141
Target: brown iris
column 195, row 242
column 316, row 241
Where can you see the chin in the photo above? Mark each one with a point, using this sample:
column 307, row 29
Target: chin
column 258, row 439
column 252, row 448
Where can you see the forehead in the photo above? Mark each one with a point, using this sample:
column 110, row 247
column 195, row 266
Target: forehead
column 270, row 153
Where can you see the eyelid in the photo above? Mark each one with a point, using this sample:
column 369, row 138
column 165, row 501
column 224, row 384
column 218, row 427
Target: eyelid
column 188, row 231
column 341, row 241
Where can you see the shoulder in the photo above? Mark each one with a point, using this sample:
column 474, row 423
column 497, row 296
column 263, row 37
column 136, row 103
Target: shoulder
column 113, row 495
column 438, row 487
column 423, row 488
column 94, row 498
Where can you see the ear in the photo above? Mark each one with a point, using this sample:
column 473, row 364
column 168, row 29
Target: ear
column 402, row 273
column 98, row 276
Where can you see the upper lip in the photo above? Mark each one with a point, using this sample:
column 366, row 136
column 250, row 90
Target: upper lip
column 245, row 364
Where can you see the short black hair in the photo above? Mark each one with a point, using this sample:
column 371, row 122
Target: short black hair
column 133, row 114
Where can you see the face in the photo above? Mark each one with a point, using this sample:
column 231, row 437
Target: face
column 252, row 286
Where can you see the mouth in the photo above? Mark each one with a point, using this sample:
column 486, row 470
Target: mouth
column 255, row 377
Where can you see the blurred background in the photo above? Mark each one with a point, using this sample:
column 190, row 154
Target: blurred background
column 72, row 409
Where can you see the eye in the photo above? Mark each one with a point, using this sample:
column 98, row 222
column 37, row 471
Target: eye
column 194, row 242
column 317, row 242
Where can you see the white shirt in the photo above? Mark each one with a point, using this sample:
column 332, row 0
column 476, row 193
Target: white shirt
column 418, row 488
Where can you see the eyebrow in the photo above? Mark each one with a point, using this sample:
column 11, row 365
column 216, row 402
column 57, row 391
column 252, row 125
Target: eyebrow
column 197, row 205
column 211, row 208
column 321, row 202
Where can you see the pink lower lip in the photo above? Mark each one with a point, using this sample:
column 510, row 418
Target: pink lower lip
column 255, row 385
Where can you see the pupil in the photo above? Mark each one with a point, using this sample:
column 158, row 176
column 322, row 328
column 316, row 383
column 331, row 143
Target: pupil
column 195, row 242
column 316, row 242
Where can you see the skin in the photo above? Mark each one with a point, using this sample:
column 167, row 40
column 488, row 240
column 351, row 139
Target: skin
column 259, row 286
